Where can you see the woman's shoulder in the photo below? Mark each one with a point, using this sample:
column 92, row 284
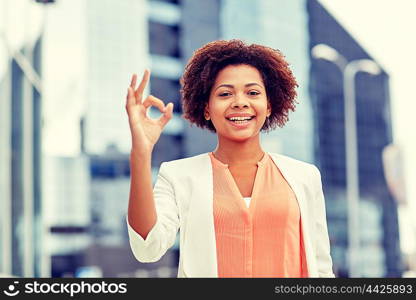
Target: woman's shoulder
column 188, row 160
column 299, row 170
column 291, row 161
column 297, row 167
column 183, row 169
column 187, row 163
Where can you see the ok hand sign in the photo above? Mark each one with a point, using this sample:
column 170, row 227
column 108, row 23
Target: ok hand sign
column 144, row 130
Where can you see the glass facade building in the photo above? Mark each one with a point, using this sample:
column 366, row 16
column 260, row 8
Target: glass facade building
column 20, row 139
column 379, row 237
column 117, row 47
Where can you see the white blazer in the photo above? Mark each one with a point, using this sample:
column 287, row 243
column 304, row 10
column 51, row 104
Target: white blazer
column 183, row 195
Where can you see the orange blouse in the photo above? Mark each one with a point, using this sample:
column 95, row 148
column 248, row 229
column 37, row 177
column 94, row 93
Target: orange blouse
column 264, row 239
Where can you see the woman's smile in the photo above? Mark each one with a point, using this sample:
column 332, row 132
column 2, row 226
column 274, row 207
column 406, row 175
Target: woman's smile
column 241, row 122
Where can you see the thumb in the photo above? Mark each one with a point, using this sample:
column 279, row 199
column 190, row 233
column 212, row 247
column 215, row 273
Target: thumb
column 167, row 115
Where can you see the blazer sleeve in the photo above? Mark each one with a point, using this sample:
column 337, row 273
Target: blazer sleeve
column 162, row 236
column 322, row 244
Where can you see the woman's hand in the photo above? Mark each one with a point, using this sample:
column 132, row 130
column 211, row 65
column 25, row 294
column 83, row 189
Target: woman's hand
column 145, row 131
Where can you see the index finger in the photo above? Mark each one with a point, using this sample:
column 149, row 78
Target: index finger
column 139, row 92
column 133, row 81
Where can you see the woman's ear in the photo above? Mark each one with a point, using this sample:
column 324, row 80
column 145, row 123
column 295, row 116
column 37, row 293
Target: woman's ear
column 269, row 109
column 206, row 113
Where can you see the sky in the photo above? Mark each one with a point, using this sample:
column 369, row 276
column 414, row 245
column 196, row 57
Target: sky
column 386, row 30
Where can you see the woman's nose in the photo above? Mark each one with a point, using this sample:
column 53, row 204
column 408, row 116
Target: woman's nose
column 239, row 101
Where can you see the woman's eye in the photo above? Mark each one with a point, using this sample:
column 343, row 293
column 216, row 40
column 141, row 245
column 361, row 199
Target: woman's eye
column 254, row 93
column 225, row 94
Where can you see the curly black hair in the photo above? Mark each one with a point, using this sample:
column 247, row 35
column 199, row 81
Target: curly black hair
column 203, row 67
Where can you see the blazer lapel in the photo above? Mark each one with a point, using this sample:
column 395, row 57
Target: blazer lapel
column 200, row 244
column 290, row 172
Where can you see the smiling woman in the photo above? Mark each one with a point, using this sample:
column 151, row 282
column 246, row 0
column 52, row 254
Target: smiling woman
column 242, row 212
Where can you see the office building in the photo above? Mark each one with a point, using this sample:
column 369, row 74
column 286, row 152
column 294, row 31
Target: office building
column 379, row 237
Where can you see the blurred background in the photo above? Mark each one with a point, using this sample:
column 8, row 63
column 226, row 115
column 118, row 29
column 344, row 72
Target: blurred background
column 64, row 138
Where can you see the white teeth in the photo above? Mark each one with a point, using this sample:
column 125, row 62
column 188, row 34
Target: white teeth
column 239, row 118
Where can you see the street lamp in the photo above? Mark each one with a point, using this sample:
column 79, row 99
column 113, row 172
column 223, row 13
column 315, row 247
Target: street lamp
column 348, row 70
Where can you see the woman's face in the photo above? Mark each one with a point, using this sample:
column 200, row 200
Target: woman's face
column 239, row 92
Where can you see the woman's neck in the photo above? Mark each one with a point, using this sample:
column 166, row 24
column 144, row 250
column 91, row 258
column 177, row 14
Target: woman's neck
column 239, row 153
